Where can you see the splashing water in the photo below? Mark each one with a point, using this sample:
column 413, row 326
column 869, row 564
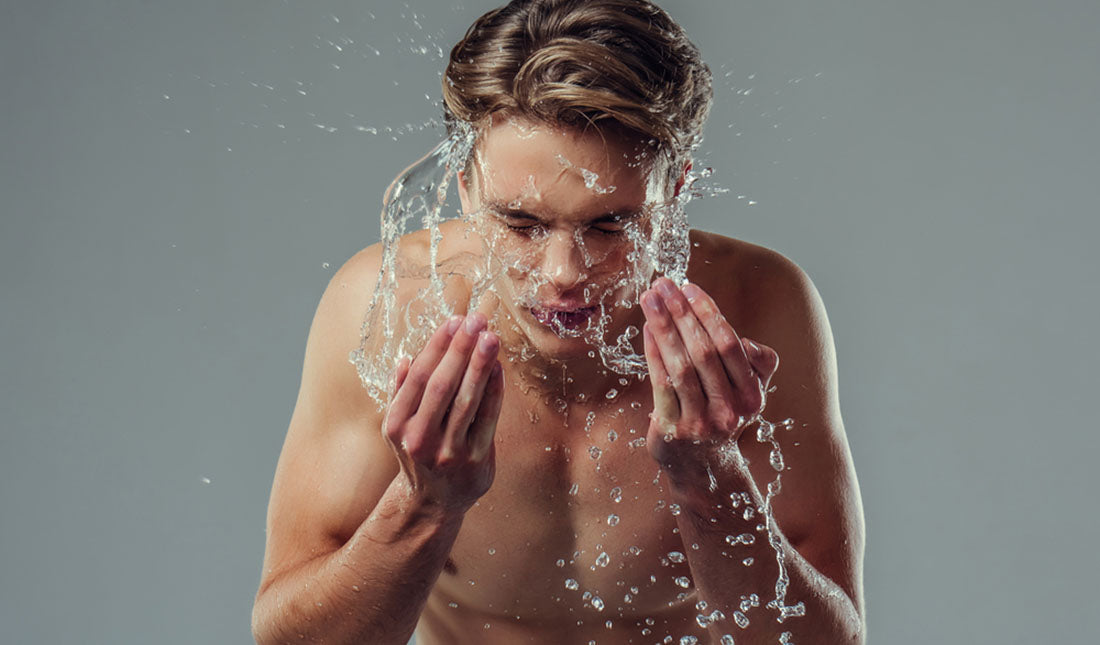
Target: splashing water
column 411, row 300
column 416, row 200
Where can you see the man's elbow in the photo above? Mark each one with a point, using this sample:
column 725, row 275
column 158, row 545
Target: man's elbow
column 265, row 629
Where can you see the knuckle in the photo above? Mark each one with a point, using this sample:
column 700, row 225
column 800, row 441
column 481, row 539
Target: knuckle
column 725, row 418
column 416, row 377
column 680, row 372
column 463, row 401
column 725, row 345
column 438, row 389
column 394, row 431
column 447, row 459
column 413, row 446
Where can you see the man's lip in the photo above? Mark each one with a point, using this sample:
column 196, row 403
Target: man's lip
column 563, row 308
column 567, row 318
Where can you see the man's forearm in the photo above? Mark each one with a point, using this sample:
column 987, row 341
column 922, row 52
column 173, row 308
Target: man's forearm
column 372, row 589
column 735, row 560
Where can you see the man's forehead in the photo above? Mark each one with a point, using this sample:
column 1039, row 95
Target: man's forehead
column 554, row 147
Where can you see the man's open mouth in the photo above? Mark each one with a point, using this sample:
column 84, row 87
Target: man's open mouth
column 563, row 319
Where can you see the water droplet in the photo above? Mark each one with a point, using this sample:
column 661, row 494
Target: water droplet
column 726, row 640
column 597, row 603
column 688, row 640
column 571, row 585
column 612, row 393
column 612, row 520
column 492, row 551
column 603, row 559
column 741, row 619
column 616, row 494
column 682, row 581
column 560, row 563
column 612, row 435
column 594, row 452
column 747, row 562
column 676, row 556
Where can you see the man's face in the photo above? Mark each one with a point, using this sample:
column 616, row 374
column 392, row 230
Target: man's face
column 562, row 214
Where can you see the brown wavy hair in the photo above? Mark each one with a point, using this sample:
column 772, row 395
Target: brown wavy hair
column 582, row 63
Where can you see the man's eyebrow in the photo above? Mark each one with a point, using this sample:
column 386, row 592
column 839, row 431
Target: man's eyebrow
column 505, row 210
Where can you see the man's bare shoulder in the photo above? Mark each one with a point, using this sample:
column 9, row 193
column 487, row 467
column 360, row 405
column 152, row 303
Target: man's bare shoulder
column 749, row 282
column 354, row 283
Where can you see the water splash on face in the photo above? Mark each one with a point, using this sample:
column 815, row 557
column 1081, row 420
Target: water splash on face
column 619, row 259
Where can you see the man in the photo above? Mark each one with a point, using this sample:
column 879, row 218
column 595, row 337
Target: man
column 545, row 498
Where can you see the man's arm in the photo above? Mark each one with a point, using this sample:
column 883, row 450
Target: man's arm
column 718, row 377
column 361, row 522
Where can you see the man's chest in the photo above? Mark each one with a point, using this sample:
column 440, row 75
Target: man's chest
column 578, row 518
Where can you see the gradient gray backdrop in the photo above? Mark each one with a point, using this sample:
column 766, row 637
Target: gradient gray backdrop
column 179, row 180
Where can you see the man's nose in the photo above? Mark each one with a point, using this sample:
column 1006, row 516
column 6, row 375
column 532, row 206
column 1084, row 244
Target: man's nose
column 563, row 262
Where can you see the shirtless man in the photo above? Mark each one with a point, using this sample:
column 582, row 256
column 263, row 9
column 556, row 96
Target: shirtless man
column 475, row 507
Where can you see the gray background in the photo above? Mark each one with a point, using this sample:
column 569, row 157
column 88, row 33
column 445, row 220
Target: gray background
column 174, row 200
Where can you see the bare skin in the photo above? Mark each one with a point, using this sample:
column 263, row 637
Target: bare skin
column 463, row 509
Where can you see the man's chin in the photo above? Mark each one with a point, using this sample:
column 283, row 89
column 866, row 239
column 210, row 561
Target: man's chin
column 561, row 336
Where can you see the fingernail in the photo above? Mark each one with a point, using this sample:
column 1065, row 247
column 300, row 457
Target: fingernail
column 486, row 342
column 650, row 301
column 754, row 346
column 474, row 322
column 453, row 323
column 692, row 292
column 666, row 288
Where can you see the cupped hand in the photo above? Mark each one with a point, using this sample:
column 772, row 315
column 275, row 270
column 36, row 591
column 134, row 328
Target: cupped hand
column 443, row 414
column 708, row 383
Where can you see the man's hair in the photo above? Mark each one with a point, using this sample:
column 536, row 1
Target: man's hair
column 623, row 64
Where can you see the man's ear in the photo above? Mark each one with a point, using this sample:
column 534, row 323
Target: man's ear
column 682, row 178
column 464, row 193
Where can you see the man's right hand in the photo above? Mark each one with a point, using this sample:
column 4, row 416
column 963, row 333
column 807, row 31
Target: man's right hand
column 443, row 414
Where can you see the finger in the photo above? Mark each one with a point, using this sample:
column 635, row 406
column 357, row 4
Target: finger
column 440, row 390
column 483, row 428
column 716, row 383
column 665, row 404
column 724, row 337
column 407, row 399
column 676, row 360
column 400, row 371
column 470, row 392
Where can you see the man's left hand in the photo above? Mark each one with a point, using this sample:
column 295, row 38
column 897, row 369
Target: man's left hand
column 708, row 383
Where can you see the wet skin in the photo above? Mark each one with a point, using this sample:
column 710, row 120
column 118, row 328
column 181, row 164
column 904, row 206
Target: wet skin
column 453, row 507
